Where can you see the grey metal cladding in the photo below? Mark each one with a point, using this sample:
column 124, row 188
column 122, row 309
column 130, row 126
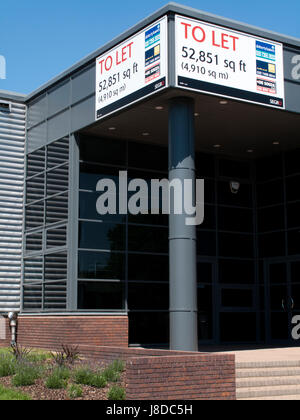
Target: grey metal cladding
column 58, row 126
column 292, row 96
column 37, row 111
column 83, row 114
column 36, row 137
column 12, row 143
column 59, row 98
column 83, row 84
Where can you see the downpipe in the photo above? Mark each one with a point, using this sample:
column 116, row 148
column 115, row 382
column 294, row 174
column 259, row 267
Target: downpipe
column 13, row 322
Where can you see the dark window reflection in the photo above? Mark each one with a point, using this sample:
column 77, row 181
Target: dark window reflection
column 270, row 193
column 236, row 272
column 232, row 168
column 242, row 198
column 107, row 151
column 148, row 156
column 235, row 245
column 148, row 239
column 151, row 296
column 98, row 295
column 238, row 327
column 144, row 267
column 237, row 298
column 108, row 236
column 101, row 265
column 148, row 328
column 235, row 219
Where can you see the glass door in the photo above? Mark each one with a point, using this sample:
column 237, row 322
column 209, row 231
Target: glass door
column 282, row 299
column 206, row 301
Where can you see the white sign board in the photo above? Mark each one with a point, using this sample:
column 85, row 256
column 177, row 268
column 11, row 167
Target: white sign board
column 133, row 70
column 224, row 62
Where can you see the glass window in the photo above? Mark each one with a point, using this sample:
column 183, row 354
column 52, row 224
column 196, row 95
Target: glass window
column 269, row 168
column 292, row 160
column 57, row 153
column 242, row 298
column 148, row 239
column 236, row 272
column 270, row 193
column 270, row 218
column 105, row 236
column 35, row 162
column 107, row 151
column 244, row 327
column 235, row 219
column 35, row 188
column 205, row 165
column 34, row 215
column 206, row 243
column 233, row 168
column 55, row 267
column 32, row 297
column 150, row 296
column 292, row 188
column 148, row 156
column 91, row 174
column 242, row 198
column 101, row 265
column 58, row 180
column 88, row 210
column 235, row 245
column 57, row 237
column 293, row 212
column 55, row 295
column 148, row 328
column 144, row 267
column 57, row 208
column 294, row 242
column 34, row 242
column 101, row 295
column 272, row 244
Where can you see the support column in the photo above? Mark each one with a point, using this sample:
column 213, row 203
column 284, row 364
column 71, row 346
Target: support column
column 182, row 238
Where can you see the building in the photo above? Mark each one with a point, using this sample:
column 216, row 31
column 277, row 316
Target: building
column 222, row 99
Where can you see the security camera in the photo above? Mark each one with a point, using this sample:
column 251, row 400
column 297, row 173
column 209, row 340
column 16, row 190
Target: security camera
column 234, row 187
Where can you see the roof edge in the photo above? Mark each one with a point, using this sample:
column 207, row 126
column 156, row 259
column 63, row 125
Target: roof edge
column 175, row 8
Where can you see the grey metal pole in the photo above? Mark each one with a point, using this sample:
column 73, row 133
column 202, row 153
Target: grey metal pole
column 182, row 238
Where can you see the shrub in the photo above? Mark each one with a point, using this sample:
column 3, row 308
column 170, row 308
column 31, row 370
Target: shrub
column 110, row 374
column 26, row 374
column 118, row 365
column 98, row 381
column 83, row 376
column 116, row 393
column 75, row 391
column 7, row 365
column 68, row 354
column 19, row 352
column 58, row 379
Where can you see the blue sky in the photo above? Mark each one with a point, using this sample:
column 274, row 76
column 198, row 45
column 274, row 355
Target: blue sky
column 41, row 39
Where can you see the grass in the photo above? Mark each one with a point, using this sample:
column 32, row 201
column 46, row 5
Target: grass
column 116, row 393
column 7, row 365
column 12, row 395
column 26, row 374
column 75, row 391
column 58, row 379
column 85, row 376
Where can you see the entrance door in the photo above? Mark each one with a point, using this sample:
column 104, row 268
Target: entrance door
column 206, row 274
column 282, row 299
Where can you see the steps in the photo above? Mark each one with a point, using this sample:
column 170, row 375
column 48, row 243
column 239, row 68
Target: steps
column 277, row 380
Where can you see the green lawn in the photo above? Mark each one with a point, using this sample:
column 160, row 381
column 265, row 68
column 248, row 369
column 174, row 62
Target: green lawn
column 10, row 394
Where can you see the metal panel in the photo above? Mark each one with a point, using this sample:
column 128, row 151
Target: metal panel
column 37, row 111
column 83, row 114
column 59, row 98
column 36, row 137
column 12, row 143
column 58, row 126
column 83, row 85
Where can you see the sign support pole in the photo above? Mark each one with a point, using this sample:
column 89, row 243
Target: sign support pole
column 182, row 238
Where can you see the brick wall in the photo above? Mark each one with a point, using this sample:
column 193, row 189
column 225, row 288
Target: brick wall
column 50, row 332
column 199, row 377
column 171, row 375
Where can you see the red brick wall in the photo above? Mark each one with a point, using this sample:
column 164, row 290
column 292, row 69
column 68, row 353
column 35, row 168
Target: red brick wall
column 200, row 377
column 50, row 332
column 171, row 375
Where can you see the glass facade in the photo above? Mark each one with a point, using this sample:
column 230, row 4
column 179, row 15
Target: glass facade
column 247, row 247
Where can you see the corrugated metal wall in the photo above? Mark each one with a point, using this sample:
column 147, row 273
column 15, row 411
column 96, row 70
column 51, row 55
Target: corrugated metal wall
column 12, row 143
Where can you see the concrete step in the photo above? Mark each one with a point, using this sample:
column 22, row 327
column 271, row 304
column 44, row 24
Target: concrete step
column 278, row 398
column 267, row 382
column 268, row 364
column 267, row 391
column 267, row 372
